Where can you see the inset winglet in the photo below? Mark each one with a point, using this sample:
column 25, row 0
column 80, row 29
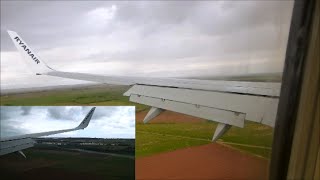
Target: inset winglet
column 86, row 120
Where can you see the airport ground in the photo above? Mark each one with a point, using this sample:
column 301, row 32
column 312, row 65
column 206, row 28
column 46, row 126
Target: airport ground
column 167, row 132
column 171, row 134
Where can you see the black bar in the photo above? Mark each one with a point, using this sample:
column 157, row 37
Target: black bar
column 291, row 87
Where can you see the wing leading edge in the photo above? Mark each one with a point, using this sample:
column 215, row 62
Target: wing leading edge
column 229, row 103
column 18, row 143
column 41, row 68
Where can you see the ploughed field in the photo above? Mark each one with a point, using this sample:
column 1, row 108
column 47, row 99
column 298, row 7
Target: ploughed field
column 176, row 146
column 210, row 161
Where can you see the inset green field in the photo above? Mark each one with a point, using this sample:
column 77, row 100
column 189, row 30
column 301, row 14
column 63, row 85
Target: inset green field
column 75, row 164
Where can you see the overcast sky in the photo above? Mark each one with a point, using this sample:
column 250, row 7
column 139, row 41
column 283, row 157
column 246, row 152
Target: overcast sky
column 145, row 38
column 106, row 122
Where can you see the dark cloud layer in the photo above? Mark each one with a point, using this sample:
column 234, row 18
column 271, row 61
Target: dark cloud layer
column 73, row 113
column 106, row 121
column 25, row 110
column 161, row 37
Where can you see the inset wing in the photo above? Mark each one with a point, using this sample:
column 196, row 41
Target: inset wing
column 18, row 143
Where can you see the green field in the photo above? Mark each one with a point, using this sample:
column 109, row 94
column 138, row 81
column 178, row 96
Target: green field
column 101, row 96
column 39, row 161
column 154, row 138
column 163, row 137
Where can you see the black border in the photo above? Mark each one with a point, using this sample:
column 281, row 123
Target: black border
column 291, row 87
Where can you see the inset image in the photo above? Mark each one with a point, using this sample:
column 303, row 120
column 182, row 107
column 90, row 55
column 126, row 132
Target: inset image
column 67, row 142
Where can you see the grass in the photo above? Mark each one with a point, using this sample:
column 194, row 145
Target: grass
column 165, row 137
column 108, row 96
column 150, row 144
column 106, row 167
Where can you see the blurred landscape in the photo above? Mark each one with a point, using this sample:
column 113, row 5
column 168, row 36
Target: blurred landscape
column 76, row 158
column 167, row 132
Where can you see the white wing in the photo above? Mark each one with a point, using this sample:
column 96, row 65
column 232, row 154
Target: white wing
column 18, row 143
column 227, row 102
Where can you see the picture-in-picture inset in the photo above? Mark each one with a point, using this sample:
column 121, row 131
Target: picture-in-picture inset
column 68, row 142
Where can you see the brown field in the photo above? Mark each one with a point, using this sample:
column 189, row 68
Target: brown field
column 211, row 161
column 168, row 117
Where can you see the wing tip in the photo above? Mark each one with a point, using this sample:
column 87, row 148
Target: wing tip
column 11, row 32
column 85, row 122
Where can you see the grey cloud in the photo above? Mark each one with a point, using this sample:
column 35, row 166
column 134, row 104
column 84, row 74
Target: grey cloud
column 212, row 17
column 104, row 112
column 17, row 120
column 62, row 113
column 26, row 110
column 8, row 123
column 6, row 112
column 155, row 13
column 151, row 16
column 77, row 113
column 239, row 27
column 9, row 130
column 233, row 16
column 47, row 24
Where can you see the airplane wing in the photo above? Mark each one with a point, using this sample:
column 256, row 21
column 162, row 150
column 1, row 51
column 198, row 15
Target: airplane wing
column 18, row 143
column 229, row 103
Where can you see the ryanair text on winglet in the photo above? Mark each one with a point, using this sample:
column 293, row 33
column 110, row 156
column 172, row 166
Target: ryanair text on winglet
column 35, row 59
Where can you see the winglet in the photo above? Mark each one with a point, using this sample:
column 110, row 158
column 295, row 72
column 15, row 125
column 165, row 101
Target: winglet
column 86, row 120
column 29, row 56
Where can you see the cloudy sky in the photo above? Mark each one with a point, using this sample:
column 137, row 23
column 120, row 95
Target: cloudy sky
column 106, row 122
column 145, row 38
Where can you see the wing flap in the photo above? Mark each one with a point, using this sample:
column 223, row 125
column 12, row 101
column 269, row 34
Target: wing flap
column 260, row 109
column 11, row 146
column 213, row 114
